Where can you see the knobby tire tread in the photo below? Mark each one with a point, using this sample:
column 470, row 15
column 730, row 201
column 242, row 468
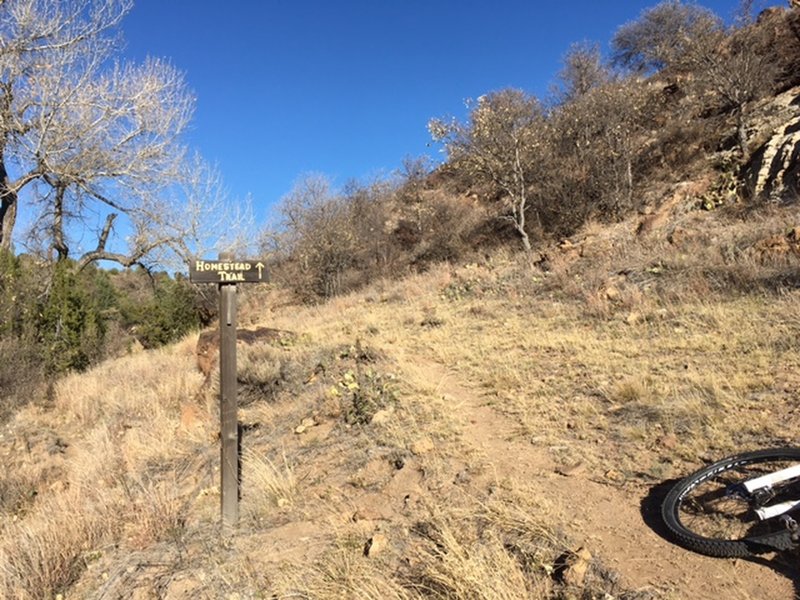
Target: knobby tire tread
column 732, row 548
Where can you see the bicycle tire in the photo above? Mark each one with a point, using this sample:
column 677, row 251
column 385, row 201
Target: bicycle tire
column 702, row 518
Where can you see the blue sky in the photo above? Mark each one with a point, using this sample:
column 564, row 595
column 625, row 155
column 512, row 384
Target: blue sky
column 346, row 88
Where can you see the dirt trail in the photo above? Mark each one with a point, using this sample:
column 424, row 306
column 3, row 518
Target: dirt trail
column 615, row 524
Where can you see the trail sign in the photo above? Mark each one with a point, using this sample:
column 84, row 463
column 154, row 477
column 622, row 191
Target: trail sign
column 227, row 272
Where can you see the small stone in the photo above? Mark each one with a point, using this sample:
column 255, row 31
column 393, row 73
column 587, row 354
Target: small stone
column 668, row 441
column 634, row 318
column 462, row 477
column 375, row 545
column 382, row 417
column 305, row 425
column 571, row 470
column 577, row 564
column 423, row 446
column 612, row 293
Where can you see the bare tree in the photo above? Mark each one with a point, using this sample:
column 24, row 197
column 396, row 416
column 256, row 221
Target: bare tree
column 736, row 66
column 660, row 35
column 318, row 237
column 502, row 145
column 596, row 138
column 583, row 71
column 92, row 141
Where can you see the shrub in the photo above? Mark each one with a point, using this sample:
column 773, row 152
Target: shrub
column 167, row 313
column 70, row 325
column 660, row 36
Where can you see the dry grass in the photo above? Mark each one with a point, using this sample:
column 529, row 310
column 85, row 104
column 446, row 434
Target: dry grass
column 157, row 513
column 142, row 383
column 267, row 486
column 45, row 553
column 413, row 410
column 343, row 574
column 115, row 438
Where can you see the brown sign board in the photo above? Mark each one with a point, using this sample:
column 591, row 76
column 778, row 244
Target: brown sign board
column 227, row 271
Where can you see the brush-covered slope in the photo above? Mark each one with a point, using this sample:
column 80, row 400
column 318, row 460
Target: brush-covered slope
column 489, row 430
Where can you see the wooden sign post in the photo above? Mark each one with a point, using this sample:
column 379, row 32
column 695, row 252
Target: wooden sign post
column 226, row 273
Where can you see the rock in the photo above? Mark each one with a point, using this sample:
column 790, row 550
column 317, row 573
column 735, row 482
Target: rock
column 422, row 446
column 574, row 567
column 375, row 545
column 633, row 318
column 571, row 470
column 305, row 425
column 382, row 416
column 612, row 293
column 668, row 441
column 566, row 245
column 773, row 171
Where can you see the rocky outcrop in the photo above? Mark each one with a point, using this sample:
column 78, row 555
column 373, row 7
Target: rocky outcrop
column 773, row 172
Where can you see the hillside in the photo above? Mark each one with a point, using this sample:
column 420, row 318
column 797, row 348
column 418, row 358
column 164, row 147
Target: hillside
column 479, row 381
column 469, row 425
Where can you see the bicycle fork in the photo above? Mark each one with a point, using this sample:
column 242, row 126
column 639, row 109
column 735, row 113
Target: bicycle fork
column 762, row 486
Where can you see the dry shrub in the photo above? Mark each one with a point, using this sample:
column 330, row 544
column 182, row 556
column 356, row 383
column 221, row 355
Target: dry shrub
column 267, row 486
column 447, row 230
column 473, row 569
column 264, row 371
column 644, row 407
column 146, row 385
column 21, row 375
column 344, row 574
column 44, row 554
column 157, row 512
column 502, row 549
column 29, row 475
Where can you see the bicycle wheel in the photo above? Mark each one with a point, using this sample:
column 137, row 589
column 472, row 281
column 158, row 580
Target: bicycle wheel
column 704, row 516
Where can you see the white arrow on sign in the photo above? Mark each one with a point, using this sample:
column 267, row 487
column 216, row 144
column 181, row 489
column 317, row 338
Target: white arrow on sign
column 260, row 267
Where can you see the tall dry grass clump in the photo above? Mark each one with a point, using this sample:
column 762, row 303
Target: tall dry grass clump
column 270, row 485
column 143, row 386
column 43, row 554
column 472, row 569
column 343, row 574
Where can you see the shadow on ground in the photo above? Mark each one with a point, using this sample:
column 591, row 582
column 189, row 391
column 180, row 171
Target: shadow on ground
column 783, row 563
